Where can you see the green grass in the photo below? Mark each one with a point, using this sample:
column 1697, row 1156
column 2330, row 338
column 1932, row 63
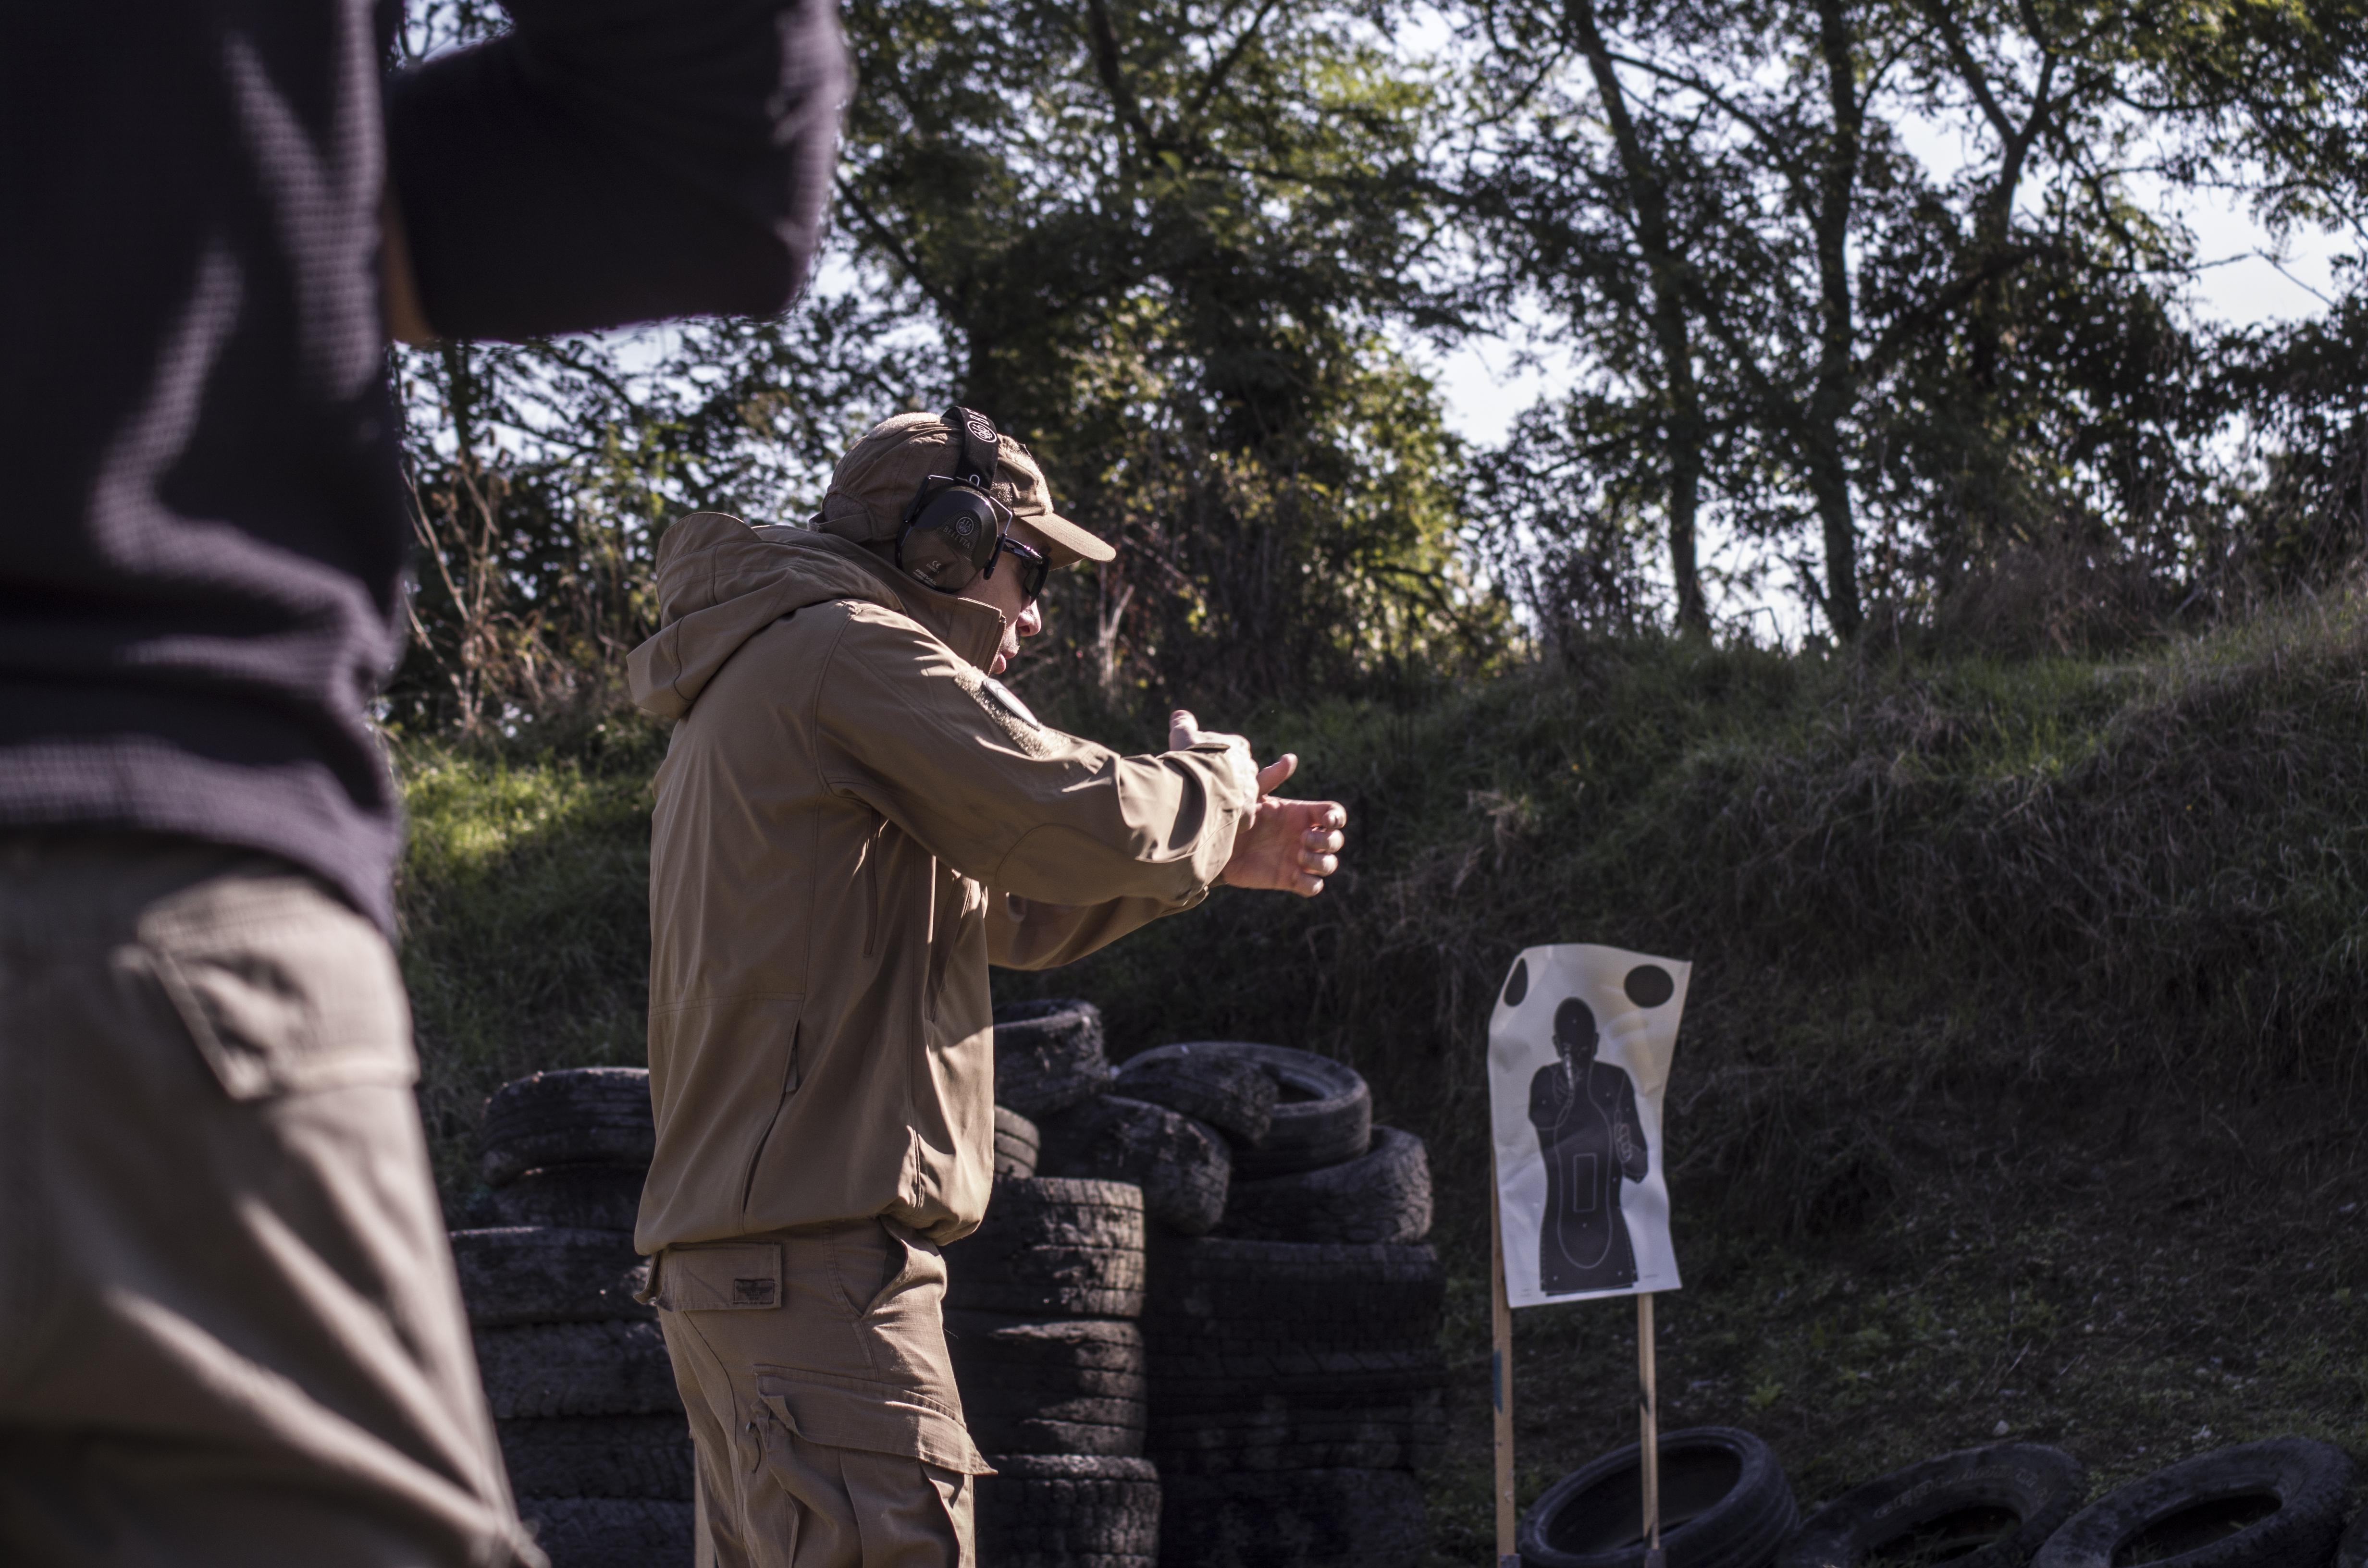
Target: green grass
column 2021, row 1065
column 525, row 919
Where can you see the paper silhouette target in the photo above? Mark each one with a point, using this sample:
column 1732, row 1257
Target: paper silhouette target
column 1578, row 1056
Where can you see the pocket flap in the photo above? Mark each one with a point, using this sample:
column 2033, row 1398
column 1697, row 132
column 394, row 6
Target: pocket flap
column 719, row 1276
column 882, row 1418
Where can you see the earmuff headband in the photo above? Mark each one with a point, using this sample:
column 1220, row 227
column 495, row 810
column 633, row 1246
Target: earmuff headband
column 976, row 452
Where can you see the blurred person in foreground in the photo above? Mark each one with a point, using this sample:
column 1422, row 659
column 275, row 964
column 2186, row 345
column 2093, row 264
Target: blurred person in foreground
column 229, row 1326
column 854, row 820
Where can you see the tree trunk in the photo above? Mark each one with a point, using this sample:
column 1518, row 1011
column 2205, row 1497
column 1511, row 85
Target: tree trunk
column 1829, row 483
column 1649, row 198
column 1685, row 497
column 1835, row 394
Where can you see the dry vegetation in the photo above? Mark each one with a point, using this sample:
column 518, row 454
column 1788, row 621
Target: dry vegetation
column 2020, row 1063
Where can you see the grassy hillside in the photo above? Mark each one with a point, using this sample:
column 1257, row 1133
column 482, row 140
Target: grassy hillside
column 2018, row 1079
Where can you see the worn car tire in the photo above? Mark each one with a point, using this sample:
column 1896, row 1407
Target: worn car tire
column 609, row 1532
column 2351, row 1552
column 1229, row 1092
column 519, row 1274
column 598, row 1456
column 1048, row 1056
column 578, row 1368
column 575, row 1115
column 1061, row 1359
column 1323, row 1111
column 1986, row 1508
column 1307, row 1518
column 2258, row 1504
column 1017, row 1143
column 1193, row 1379
column 1183, row 1168
column 1068, row 1511
column 1382, row 1195
column 1219, row 1296
column 1077, row 1412
column 1035, row 1433
column 1725, row 1504
column 1275, row 1431
column 573, row 1197
column 1070, row 1385
column 1053, row 1246
column 1051, row 1281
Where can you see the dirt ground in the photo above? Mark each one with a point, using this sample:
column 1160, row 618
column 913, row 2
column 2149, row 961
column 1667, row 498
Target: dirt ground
column 2134, row 1289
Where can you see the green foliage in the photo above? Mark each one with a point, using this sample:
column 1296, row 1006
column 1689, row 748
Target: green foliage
column 523, row 901
column 1161, row 240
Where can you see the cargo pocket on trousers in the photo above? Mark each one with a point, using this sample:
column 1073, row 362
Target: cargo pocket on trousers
column 285, row 991
column 880, row 1419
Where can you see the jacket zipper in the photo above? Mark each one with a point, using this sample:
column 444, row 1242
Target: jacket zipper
column 937, row 942
column 876, row 914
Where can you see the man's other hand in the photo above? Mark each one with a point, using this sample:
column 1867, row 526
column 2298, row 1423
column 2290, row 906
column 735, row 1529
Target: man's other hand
column 1286, row 846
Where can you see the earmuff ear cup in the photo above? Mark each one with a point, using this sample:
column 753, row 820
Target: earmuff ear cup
column 949, row 539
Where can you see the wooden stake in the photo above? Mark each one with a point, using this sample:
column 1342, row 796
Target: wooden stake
column 1500, row 1371
column 1649, row 1420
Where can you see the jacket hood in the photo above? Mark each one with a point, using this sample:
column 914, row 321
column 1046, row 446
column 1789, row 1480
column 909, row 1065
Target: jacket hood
column 721, row 582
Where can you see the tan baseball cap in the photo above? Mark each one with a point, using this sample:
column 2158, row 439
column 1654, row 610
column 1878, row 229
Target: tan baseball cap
column 877, row 480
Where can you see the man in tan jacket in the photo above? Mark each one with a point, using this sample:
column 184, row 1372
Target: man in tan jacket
column 854, row 820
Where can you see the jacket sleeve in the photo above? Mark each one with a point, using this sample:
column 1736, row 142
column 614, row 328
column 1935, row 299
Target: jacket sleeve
column 613, row 161
column 1025, row 934
column 907, row 727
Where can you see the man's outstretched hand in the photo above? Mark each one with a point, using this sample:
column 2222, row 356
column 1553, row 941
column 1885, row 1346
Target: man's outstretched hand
column 1286, row 846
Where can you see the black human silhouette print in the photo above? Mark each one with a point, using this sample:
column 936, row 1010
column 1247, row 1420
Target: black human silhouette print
column 1590, row 1139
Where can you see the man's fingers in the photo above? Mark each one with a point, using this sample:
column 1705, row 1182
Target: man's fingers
column 1324, row 839
column 1182, row 727
column 1271, row 776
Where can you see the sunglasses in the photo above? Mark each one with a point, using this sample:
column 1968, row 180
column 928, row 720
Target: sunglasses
column 1034, row 566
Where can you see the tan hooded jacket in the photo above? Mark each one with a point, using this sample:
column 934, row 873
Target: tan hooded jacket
column 850, row 827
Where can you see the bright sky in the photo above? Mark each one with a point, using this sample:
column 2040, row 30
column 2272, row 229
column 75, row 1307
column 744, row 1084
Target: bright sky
column 1483, row 390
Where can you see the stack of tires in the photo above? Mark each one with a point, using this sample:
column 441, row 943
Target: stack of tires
column 1295, row 1374
column 1041, row 1309
column 583, row 1396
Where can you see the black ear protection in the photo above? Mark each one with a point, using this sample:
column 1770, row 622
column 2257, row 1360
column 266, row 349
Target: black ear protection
column 951, row 532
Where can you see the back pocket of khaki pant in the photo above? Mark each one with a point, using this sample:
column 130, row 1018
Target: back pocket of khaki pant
column 282, row 988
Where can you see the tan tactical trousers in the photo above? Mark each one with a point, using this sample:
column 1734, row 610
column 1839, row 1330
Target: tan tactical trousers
column 228, row 1328
column 822, row 1402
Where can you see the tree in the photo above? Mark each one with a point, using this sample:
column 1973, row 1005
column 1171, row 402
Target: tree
column 1791, row 310
column 1165, row 241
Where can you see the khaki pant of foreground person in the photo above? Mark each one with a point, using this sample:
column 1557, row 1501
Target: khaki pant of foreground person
column 829, row 1432
column 230, row 1332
